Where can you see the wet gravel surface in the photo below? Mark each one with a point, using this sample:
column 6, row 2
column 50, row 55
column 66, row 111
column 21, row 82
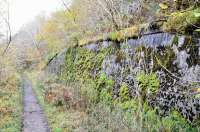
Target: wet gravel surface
column 33, row 117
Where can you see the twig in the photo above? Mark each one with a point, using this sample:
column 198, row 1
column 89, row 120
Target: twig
column 191, row 81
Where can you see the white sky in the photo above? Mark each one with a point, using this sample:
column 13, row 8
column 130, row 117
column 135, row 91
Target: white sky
column 23, row 11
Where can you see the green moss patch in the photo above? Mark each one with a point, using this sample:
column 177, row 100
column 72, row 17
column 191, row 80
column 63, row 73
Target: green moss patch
column 114, row 36
column 182, row 22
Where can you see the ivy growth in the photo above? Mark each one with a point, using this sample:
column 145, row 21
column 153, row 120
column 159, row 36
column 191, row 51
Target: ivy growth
column 148, row 84
column 124, row 93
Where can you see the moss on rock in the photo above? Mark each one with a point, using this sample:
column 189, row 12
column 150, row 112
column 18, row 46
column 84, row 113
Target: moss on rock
column 181, row 22
column 114, row 36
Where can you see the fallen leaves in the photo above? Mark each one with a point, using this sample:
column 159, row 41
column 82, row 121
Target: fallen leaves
column 10, row 104
column 6, row 110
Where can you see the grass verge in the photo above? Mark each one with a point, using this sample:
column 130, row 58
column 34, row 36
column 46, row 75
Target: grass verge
column 60, row 118
column 10, row 104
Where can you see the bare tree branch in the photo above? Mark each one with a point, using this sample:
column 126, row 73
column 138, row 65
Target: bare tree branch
column 6, row 20
column 67, row 9
column 9, row 38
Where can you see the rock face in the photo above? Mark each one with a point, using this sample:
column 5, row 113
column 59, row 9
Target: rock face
column 175, row 59
column 55, row 64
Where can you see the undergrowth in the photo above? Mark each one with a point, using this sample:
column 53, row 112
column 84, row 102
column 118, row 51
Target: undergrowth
column 60, row 118
column 10, row 104
column 81, row 99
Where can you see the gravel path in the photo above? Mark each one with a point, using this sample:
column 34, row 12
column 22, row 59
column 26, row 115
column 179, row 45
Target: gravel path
column 34, row 119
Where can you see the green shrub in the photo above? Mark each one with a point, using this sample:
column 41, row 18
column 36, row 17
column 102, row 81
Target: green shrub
column 124, row 93
column 180, row 21
column 104, row 88
column 106, row 97
column 128, row 105
column 175, row 122
column 148, row 84
column 104, row 80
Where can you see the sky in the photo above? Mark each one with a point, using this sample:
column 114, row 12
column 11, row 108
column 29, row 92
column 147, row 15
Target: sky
column 24, row 11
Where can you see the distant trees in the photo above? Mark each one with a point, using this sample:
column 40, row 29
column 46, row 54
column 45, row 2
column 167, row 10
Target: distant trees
column 88, row 18
column 32, row 29
column 114, row 11
column 82, row 18
column 5, row 26
column 53, row 33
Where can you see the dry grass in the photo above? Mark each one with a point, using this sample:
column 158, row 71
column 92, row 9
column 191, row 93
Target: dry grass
column 10, row 103
column 62, row 104
column 10, row 94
